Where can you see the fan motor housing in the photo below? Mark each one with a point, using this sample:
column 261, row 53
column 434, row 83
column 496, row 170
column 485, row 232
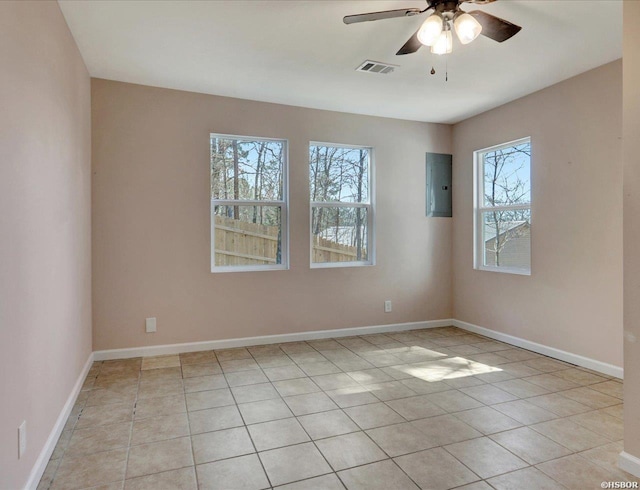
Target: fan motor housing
column 444, row 5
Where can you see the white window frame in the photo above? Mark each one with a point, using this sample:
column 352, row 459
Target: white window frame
column 283, row 204
column 370, row 207
column 479, row 208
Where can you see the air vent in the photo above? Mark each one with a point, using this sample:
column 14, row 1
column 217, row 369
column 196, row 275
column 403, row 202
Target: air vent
column 376, row 67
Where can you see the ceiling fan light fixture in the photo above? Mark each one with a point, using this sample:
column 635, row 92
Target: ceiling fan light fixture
column 467, row 28
column 444, row 44
column 431, row 29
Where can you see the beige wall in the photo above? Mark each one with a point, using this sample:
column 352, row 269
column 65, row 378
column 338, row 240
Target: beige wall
column 151, row 236
column 573, row 298
column 45, row 263
column 631, row 158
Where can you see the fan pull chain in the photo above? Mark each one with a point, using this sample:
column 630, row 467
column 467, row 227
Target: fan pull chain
column 446, row 71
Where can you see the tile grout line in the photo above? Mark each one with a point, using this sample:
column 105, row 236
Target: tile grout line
column 305, row 430
column 133, row 418
column 193, row 453
column 247, row 430
column 379, row 348
column 363, row 431
column 301, row 425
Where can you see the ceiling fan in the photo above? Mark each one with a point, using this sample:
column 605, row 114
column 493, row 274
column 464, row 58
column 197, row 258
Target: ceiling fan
column 436, row 30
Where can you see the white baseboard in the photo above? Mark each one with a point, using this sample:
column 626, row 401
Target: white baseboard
column 160, row 350
column 586, row 362
column 43, row 458
column 626, row 461
column 629, row 463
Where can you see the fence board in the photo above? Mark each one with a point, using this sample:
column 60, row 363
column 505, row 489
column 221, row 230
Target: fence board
column 325, row 251
column 241, row 243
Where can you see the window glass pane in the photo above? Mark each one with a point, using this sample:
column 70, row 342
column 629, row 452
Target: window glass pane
column 339, row 234
column 507, row 175
column 247, row 235
column 339, row 174
column 246, row 169
column 506, row 237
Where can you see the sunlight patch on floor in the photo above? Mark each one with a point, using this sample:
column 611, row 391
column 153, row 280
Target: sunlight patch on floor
column 454, row 367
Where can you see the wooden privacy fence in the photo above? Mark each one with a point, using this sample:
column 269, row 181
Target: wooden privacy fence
column 240, row 243
column 327, row 251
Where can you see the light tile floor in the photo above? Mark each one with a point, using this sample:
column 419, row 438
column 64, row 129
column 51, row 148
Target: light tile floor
column 433, row 409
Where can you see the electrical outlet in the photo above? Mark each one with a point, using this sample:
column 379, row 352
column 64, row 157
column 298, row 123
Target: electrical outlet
column 22, row 439
column 150, row 325
column 387, row 306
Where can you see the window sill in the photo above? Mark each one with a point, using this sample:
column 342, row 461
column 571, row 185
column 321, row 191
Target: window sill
column 334, row 265
column 248, row 268
column 504, row 270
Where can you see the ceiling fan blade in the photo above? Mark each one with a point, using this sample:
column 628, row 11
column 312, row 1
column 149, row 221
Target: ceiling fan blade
column 411, row 46
column 385, row 14
column 479, row 2
column 494, row 27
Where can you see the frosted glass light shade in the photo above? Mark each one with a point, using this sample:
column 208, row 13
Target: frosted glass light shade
column 430, row 30
column 444, row 44
column 467, row 28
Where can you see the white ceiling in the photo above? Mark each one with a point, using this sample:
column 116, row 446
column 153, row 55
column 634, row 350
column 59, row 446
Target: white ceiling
column 300, row 52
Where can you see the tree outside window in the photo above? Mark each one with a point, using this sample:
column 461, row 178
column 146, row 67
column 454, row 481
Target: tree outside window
column 503, row 207
column 248, row 203
column 341, row 209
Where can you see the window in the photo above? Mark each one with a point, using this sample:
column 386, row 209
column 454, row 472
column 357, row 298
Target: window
column 341, row 205
column 248, row 204
column 503, row 208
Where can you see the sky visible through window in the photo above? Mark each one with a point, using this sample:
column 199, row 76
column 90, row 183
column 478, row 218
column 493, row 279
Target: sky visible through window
column 507, row 174
column 506, row 217
column 339, row 174
column 246, row 169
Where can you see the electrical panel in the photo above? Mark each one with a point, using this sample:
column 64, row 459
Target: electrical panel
column 439, row 171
